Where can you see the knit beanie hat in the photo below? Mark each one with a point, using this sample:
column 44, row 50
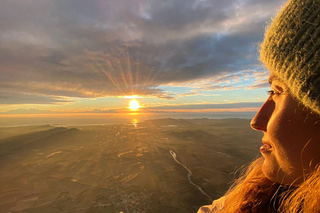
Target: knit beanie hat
column 291, row 49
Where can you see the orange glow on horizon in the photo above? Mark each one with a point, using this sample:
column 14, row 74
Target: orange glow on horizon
column 133, row 109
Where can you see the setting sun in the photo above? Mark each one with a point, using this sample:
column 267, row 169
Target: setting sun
column 134, row 105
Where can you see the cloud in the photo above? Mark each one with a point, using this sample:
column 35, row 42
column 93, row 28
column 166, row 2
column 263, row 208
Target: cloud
column 261, row 81
column 239, row 105
column 227, row 82
column 53, row 49
column 260, row 85
column 23, row 98
column 27, row 111
column 188, row 94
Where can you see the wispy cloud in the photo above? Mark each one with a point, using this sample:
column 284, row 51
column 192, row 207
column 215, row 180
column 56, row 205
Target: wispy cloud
column 259, row 85
column 227, row 81
column 25, row 98
column 239, row 105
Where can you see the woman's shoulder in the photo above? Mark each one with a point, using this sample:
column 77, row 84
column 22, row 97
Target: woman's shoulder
column 215, row 207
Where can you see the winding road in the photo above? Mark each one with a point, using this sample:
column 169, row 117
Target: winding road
column 174, row 155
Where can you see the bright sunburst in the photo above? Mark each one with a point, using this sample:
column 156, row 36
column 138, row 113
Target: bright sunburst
column 134, row 105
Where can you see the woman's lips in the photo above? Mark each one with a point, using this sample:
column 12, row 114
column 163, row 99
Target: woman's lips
column 265, row 148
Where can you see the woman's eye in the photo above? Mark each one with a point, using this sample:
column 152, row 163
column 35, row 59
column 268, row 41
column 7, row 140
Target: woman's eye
column 273, row 92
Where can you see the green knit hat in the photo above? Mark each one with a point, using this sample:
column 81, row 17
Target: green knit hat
column 291, row 49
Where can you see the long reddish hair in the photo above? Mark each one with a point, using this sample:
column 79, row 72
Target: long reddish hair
column 253, row 192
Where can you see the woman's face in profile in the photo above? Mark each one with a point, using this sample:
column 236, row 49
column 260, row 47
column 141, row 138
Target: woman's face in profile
column 291, row 141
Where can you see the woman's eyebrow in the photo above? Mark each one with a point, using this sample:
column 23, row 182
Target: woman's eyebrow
column 271, row 78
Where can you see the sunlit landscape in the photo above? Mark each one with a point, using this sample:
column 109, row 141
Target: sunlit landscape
column 128, row 167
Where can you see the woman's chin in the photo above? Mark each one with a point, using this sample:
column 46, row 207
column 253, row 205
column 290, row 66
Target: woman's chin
column 274, row 173
column 271, row 170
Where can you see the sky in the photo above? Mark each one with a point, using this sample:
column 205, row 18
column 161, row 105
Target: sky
column 76, row 56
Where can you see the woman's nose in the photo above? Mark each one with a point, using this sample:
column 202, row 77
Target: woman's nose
column 261, row 119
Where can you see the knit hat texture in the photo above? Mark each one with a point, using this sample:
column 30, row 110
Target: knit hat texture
column 291, row 50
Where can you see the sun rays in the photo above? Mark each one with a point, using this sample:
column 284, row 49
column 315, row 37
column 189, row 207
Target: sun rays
column 126, row 72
